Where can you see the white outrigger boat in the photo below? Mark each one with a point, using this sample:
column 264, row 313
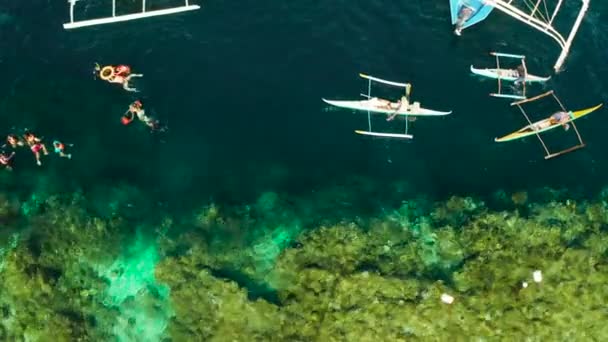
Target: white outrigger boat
column 518, row 75
column 562, row 118
column 375, row 105
column 144, row 13
column 540, row 16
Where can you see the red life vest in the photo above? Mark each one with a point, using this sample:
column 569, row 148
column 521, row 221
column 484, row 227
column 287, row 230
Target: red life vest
column 123, row 70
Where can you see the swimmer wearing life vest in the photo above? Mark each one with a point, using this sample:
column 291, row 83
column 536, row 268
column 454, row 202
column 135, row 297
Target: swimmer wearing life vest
column 5, row 160
column 136, row 109
column 35, row 145
column 59, row 148
column 120, row 74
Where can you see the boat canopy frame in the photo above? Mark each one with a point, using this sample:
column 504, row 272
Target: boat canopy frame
column 125, row 17
column 548, row 153
column 543, row 22
column 368, row 96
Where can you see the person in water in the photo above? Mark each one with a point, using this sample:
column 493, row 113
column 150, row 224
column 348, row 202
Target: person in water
column 464, row 14
column 5, row 160
column 121, row 74
column 136, row 109
column 59, row 148
column 35, row 145
column 14, row 141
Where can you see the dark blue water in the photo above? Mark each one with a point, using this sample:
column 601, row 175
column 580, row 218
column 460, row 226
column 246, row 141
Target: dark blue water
column 240, row 84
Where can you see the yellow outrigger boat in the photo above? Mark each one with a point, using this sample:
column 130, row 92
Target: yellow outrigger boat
column 538, row 127
column 530, row 129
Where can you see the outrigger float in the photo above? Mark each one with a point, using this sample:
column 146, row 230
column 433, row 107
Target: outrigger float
column 519, row 75
column 125, row 17
column 535, row 13
column 375, row 105
column 547, row 124
column 466, row 13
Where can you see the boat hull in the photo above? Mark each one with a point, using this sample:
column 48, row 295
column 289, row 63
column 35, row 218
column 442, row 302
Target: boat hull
column 528, row 131
column 507, row 75
column 372, row 106
column 480, row 11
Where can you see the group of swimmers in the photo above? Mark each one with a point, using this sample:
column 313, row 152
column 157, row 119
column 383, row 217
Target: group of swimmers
column 31, row 141
column 121, row 74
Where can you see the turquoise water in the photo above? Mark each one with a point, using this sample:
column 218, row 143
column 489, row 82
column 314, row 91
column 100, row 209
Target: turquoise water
column 260, row 200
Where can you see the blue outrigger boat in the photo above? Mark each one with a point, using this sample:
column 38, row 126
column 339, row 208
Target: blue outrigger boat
column 466, row 13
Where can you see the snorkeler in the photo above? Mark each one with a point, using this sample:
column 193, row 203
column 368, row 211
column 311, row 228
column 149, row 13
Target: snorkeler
column 136, row 109
column 59, row 148
column 120, row 74
column 14, row 141
column 36, row 146
column 155, row 125
column 5, row 160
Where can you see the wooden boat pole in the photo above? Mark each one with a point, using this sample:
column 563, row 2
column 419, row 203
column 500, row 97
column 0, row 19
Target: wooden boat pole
column 125, row 17
column 523, row 62
column 573, row 148
column 369, row 93
column 560, row 103
column 566, row 49
column 532, row 98
column 536, row 133
column 518, row 14
column 498, row 78
column 559, row 4
column 578, row 135
column 535, row 8
column 72, row 2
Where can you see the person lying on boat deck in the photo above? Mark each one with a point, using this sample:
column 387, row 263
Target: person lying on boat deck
column 560, row 118
column 5, row 160
column 384, row 104
column 557, row 118
column 463, row 15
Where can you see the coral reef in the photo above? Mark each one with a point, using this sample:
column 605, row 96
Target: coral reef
column 273, row 270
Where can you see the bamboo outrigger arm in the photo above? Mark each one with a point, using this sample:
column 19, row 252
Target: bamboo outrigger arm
column 125, row 17
column 506, row 7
